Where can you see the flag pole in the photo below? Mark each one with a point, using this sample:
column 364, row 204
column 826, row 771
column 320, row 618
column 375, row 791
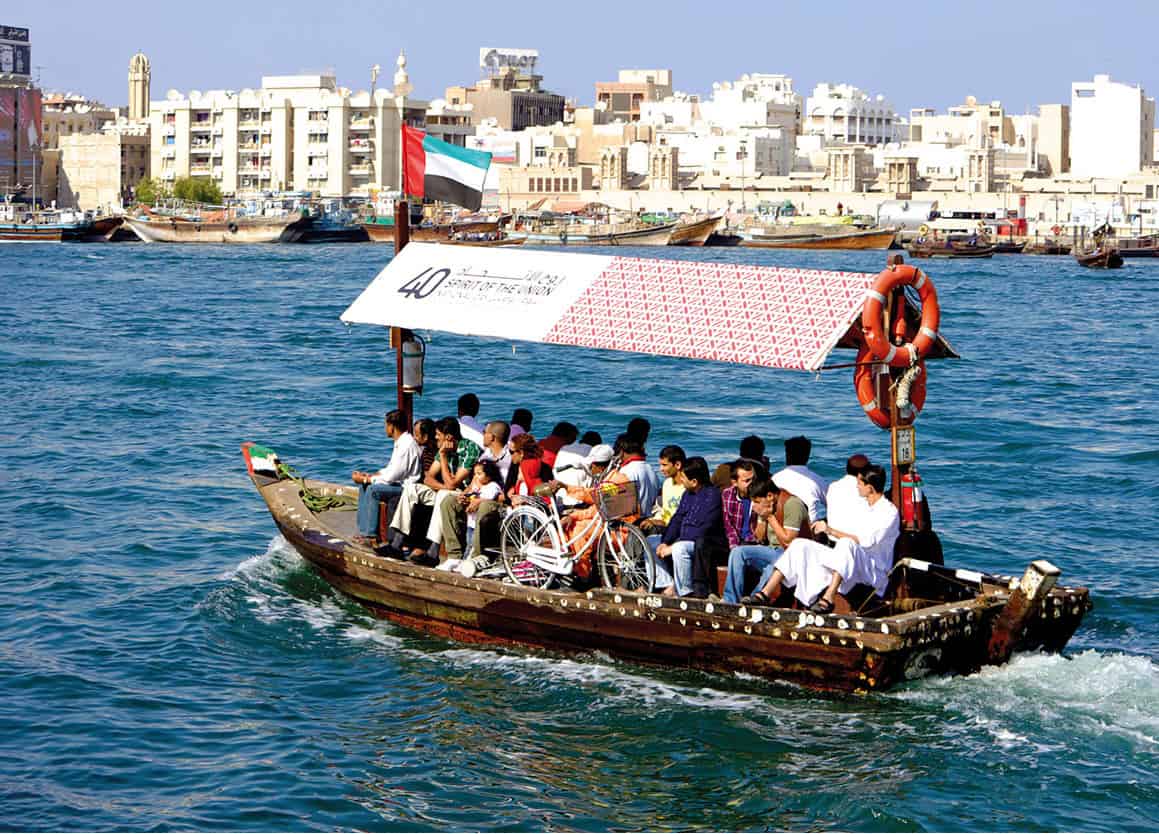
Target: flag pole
column 400, row 335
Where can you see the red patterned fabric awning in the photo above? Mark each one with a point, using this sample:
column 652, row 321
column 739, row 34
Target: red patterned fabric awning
column 754, row 315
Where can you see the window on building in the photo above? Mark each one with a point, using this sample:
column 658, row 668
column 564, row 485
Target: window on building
column 1085, row 93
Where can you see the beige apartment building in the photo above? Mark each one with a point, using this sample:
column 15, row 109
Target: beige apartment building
column 623, row 99
column 513, row 99
column 98, row 171
column 295, row 133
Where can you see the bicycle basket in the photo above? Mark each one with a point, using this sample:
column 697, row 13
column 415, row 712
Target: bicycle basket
column 615, row 500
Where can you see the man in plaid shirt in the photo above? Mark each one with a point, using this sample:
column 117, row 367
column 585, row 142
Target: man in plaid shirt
column 739, row 520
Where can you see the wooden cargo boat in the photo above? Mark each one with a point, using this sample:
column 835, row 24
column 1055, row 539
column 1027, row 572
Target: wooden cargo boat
column 1047, row 247
column 951, row 249
column 931, row 620
column 157, row 229
column 1104, row 256
column 600, row 234
column 860, row 239
column 696, row 231
column 725, row 237
column 1138, row 247
column 379, row 229
column 505, row 240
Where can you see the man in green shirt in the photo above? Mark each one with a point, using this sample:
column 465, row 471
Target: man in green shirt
column 780, row 518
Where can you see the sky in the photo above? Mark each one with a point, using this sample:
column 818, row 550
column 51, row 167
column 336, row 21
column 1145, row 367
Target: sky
column 930, row 54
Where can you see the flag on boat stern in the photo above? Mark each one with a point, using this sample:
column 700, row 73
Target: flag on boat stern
column 439, row 170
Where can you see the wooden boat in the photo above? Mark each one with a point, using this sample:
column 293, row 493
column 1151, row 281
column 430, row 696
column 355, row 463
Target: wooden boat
column 860, row 239
column 950, row 249
column 286, row 229
column 505, row 240
column 379, row 229
column 695, row 231
column 1047, row 247
column 724, row 237
column 104, row 228
column 600, row 234
column 21, row 225
column 1138, row 247
column 939, row 620
column 1009, row 247
column 1104, row 256
column 932, row 620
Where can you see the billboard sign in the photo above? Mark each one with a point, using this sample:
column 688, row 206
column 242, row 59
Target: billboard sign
column 15, row 53
column 7, row 136
column 494, row 59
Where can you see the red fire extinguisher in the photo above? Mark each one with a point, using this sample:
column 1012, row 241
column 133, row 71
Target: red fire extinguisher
column 912, row 500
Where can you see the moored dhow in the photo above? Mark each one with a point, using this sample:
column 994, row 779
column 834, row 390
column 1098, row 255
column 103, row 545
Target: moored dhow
column 695, row 230
column 161, row 229
column 930, row 619
column 856, row 239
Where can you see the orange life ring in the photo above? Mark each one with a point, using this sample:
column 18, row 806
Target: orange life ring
column 871, row 383
column 873, row 318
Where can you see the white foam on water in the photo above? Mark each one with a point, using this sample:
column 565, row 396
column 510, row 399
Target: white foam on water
column 1089, row 694
column 598, row 671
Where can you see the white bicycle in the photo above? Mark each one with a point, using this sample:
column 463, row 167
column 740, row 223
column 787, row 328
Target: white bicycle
column 536, row 551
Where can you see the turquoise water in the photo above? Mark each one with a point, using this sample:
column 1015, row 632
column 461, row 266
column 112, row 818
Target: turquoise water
column 167, row 662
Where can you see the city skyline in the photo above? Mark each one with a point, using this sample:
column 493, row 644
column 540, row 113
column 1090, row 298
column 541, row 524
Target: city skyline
column 1023, row 56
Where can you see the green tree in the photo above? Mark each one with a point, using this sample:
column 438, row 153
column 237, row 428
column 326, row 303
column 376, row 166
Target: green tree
column 197, row 190
column 150, row 191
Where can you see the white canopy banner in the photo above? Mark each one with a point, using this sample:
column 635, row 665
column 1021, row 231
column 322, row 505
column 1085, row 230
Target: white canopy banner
column 755, row 315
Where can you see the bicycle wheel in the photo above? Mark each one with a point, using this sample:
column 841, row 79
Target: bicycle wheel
column 526, row 527
column 624, row 558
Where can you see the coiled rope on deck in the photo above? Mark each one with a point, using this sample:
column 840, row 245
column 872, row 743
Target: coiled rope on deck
column 316, row 501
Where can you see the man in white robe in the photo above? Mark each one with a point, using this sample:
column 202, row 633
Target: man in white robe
column 817, row 573
column 842, row 500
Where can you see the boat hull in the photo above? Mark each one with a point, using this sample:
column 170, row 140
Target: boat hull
column 846, row 653
column 243, row 230
column 947, row 253
column 379, row 232
column 875, row 239
column 577, row 236
column 15, row 233
column 1100, row 259
column 695, row 233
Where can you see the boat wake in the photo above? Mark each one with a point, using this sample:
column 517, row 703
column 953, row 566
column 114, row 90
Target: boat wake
column 1092, row 694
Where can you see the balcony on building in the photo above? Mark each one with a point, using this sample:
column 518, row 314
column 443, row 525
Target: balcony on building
column 360, row 145
column 199, row 170
column 360, row 168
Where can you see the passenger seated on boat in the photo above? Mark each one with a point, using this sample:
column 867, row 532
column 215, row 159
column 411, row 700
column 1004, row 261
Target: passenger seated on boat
column 520, row 422
column 451, row 469
column 424, row 434
column 639, row 429
column 694, row 537
column 487, row 485
column 469, row 425
column 753, row 448
column 842, row 500
column 671, row 464
column 780, row 519
column 387, row 483
column 739, row 521
column 562, row 435
column 454, row 513
column 802, row 481
column 526, row 473
column 817, row 573
column 570, row 468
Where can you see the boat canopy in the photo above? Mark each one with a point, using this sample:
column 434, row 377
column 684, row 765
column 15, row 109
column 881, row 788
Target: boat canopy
column 773, row 317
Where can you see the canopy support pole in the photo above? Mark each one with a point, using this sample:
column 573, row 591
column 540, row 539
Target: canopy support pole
column 895, row 468
column 400, row 335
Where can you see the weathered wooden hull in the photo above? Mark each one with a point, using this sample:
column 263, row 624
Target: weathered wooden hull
column 380, row 232
column 15, row 233
column 874, row 239
column 1100, row 259
column 847, row 653
column 657, row 235
column 694, row 233
column 948, row 252
column 242, row 230
column 502, row 241
column 725, row 238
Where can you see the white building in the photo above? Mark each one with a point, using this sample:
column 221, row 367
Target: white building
column 843, row 113
column 715, row 153
column 1111, row 128
column 297, row 132
column 754, row 100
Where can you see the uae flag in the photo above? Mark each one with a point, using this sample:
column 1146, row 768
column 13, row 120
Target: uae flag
column 439, row 170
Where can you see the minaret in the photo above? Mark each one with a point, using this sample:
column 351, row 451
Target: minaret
column 138, row 87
